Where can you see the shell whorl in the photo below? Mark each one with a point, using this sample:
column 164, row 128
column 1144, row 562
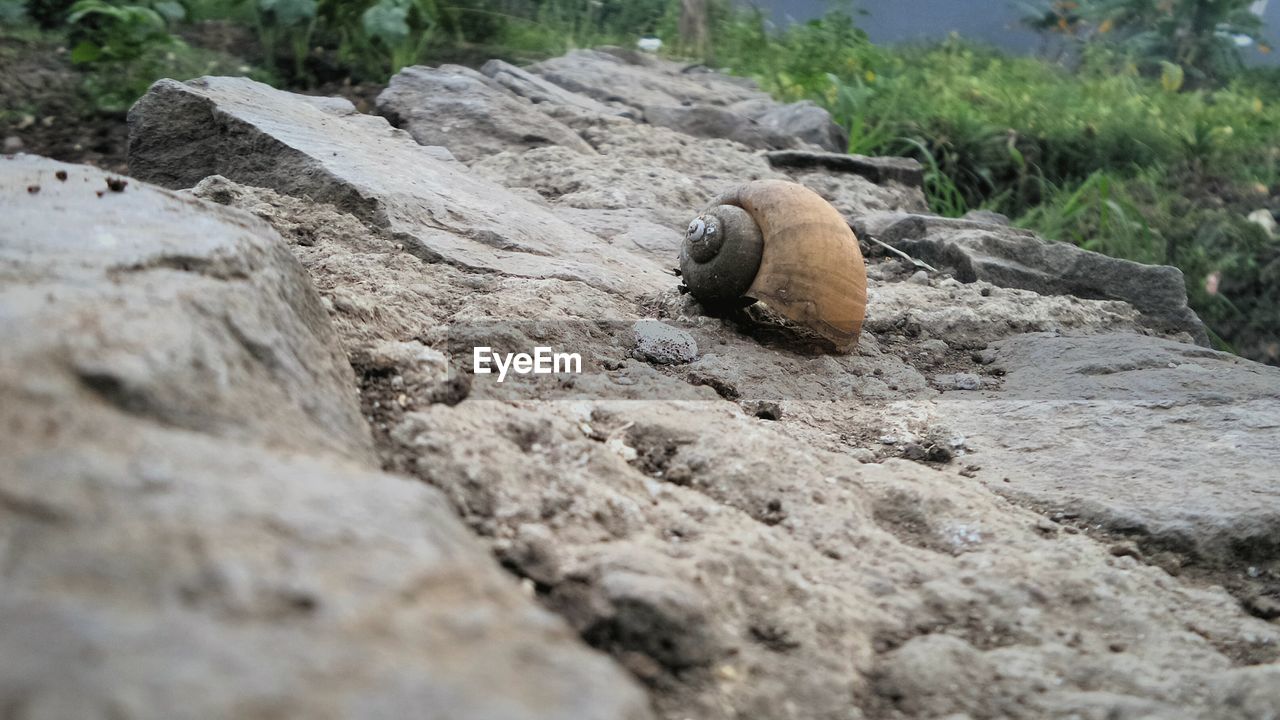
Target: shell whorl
column 721, row 254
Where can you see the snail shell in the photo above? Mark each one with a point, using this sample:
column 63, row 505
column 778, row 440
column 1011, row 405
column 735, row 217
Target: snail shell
column 782, row 244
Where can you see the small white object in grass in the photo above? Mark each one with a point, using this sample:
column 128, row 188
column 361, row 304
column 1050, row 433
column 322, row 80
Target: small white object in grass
column 649, row 44
column 1264, row 219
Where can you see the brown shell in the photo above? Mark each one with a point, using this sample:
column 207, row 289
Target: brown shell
column 812, row 271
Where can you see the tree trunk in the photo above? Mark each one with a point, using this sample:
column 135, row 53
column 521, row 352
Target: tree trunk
column 695, row 37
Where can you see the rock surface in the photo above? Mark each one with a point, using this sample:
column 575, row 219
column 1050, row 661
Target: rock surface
column 1002, row 504
column 322, row 148
column 707, row 121
column 188, row 531
column 640, row 80
column 457, row 107
column 525, row 84
column 807, row 122
column 878, row 170
column 1211, row 415
column 245, row 351
column 1018, row 258
column 693, row 100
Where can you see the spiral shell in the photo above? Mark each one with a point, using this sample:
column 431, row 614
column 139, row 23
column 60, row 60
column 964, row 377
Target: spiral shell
column 780, row 243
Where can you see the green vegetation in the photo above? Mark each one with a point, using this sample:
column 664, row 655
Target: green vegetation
column 1142, row 137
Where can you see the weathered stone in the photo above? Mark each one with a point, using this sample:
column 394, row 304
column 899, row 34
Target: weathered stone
column 244, row 351
column 879, row 170
column 663, row 344
column 854, row 195
column 960, row 381
column 806, row 122
column 965, row 318
column 707, row 121
column 458, row 108
column 990, row 217
column 642, row 81
column 542, row 92
column 1018, row 258
column 1141, row 435
column 321, row 148
column 696, row 101
column 187, row 528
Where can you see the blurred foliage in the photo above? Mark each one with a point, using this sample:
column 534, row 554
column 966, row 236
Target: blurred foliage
column 102, row 32
column 307, row 42
column 1199, row 37
column 12, row 12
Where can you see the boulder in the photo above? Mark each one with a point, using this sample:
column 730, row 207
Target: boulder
column 806, row 122
column 693, row 100
column 542, row 92
column 1011, row 257
column 989, row 217
column 189, row 523
column 1141, row 436
column 641, row 81
column 458, row 108
column 707, row 121
column 323, row 149
column 879, row 170
column 168, row 309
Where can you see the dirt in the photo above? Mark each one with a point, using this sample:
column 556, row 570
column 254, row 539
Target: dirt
column 44, row 110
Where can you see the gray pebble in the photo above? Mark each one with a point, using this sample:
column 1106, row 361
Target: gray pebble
column 960, row 381
column 863, row 455
column 662, row 344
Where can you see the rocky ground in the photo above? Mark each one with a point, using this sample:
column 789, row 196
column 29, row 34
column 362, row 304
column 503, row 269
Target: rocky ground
column 249, row 475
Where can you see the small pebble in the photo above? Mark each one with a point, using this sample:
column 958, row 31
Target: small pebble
column 1262, row 606
column 863, row 455
column 915, row 451
column 765, row 409
column 960, row 381
column 662, row 344
column 984, row 357
column 934, row 347
column 1125, row 549
column 919, row 277
column 679, row 474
